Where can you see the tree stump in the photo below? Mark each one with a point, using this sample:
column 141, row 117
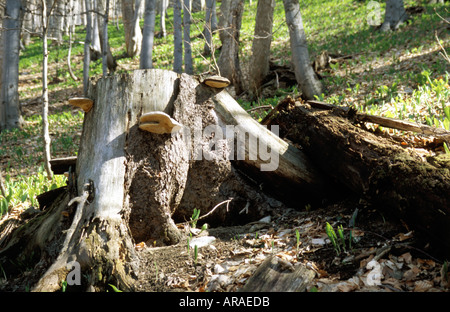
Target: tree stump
column 131, row 185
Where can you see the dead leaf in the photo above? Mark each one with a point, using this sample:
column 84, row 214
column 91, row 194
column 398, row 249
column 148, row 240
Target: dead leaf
column 421, row 286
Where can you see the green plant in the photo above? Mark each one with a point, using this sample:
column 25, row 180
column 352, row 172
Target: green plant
column 297, row 236
column 195, row 254
column 194, row 217
column 333, row 238
column 63, row 286
column 114, row 288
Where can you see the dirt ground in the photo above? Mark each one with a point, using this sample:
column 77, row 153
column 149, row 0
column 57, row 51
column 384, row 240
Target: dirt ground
column 384, row 257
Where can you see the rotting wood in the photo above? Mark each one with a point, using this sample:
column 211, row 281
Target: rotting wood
column 393, row 123
column 293, row 179
column 397, row 180
column 278, row 275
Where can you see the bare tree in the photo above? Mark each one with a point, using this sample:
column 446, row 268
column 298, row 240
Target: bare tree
column 259, row 62
column 45, row 132
column 210, row 25
column 304, row 73
column 148, row 34
column 395, row 15
column 87, row 52
column 162, row 6
column 188, row 67
column 10, row 116
column 229, row 56
column 177, row 38
column 133, row 35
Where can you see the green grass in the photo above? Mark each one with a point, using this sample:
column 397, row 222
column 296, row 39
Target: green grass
column 398, row 74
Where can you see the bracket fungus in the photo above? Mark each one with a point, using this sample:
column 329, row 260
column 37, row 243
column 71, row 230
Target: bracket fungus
column 216, row 82
column 158, row 122
column 83, row 103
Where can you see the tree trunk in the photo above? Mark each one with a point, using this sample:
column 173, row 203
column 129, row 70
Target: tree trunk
column 107, row 56
column 229, row 55
column 162, row 7
column 133, row 35
column 259, row 63
column 45, row 132
column 395, row 15
column 210, row 25
column 131, row 185
column 177, row 38
column 87, row 50
column 188, row 67
column 394, row 179
column 10, row 116
column 304, row 73
column 148, row 34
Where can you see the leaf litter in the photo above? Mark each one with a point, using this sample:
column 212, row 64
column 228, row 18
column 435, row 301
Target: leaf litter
column 384, row 257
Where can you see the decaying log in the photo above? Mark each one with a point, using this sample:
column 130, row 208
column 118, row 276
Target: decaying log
column 393, row 123
column 396, row 179
column 277, row 275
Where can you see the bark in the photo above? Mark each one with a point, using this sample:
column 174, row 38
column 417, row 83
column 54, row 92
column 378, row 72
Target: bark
column 71, row 31
column 395, row 15
column 107, row 55
column 105, row 40
column 130, row 186
column 133, row 35
column 10, row 115
column 394, row 179
column 96, row 46
column 148, row 34
column 87, row 50
column 259, row 62
column 210, row 26
column 304, row 73
column 188, row 67
column 177, row 38
column 162, row 7
column 45, row 132
column 229, row 55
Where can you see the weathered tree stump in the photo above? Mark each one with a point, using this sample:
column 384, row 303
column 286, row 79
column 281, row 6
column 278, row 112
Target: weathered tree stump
column 131, row 184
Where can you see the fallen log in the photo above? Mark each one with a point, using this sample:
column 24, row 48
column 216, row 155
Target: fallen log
column 397, row 180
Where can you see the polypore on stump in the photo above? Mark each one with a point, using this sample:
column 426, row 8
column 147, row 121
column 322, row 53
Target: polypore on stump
column 83, row 103
column 158, row 122
column 216, row 82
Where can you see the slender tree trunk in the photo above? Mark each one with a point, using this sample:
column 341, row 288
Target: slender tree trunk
column 259, row 62
column 133, row 35
column 105, row 41
column 96, row 46
column 71, row 21
column 45, row 132
column 210, row 25
column 395, row 15
column 229, row 56
column 162, row 8
column 148, row 34
column 178, row 38
column 188, row 67
column 87, row 49
column 304, row 73
column 10, row 116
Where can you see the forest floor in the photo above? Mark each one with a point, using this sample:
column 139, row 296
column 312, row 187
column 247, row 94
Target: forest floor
column 385, row 255
column 407, row 78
